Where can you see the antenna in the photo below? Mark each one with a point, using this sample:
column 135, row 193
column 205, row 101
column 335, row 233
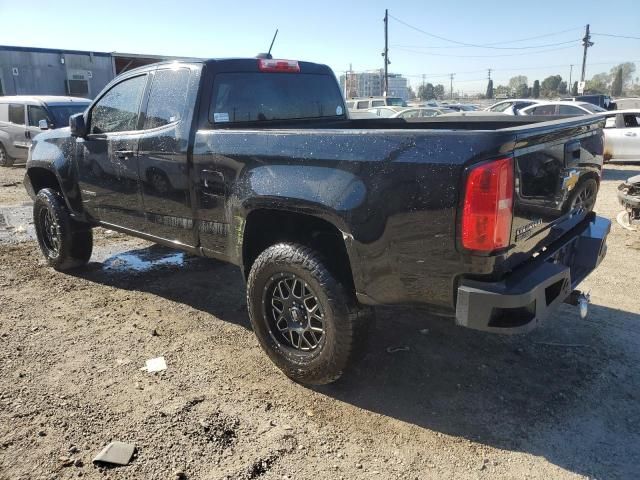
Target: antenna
column 272, row 42
column 268, row 54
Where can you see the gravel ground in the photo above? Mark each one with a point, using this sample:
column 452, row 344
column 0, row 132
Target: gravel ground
column 561, row 402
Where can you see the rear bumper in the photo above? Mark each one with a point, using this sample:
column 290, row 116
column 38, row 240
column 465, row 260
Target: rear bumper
column 527, row 296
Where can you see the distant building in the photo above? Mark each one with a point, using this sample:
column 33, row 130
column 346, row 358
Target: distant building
column 371, row 84
column 47, row 71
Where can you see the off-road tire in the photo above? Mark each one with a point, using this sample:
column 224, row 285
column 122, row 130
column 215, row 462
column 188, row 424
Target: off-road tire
column 73, row 240
column 588, row 187
column 5, row 159
column 346, row 323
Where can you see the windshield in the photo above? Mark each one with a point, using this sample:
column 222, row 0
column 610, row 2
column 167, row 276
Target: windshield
column 61, row 113
column 259, row 97
column 593, row 108
column 396, row 102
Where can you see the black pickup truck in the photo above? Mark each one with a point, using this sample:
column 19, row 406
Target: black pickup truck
column 256, row 162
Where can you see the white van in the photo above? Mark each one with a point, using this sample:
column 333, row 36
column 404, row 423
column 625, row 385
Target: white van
column 364, row 103
column 23, row 117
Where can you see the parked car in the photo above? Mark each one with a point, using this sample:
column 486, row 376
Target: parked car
column 420, row 112
column 462, row 107
column 622, row 136
column 480, row 218
column 512, row 106
column 603, row 101
column 386, row 112
column 562, row 108
column 628, row 103
column 629, row 198
column 366, row 103
column 23, row 117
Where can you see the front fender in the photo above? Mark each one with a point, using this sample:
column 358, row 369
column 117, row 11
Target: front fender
column 54, row 151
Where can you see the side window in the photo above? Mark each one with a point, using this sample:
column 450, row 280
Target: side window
column 36, row 114
column 632, row 121
column 364, row 104
column 377, row 103
column 350, row 105
column 16, row 113
column 117, row 110
column 610, row 122
column 501, row 107
column 569, row 110
column 168, row 98
column 544, row 110
column 410, row 114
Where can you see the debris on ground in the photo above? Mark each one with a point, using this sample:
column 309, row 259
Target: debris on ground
column 157, row 364
column 116, row 453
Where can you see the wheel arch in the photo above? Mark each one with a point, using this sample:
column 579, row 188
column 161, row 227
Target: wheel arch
column 264, row 227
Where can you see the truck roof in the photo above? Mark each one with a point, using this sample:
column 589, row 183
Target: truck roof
column 238, row 65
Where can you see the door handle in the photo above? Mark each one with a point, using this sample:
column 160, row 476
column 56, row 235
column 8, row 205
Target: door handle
column 630, row 134
column 124, row 154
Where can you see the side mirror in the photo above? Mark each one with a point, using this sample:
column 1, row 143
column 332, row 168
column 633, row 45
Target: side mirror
column 77, row 125
column 43, row 125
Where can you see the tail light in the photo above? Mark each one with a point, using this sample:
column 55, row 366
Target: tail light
column 488, row 206
column 273, row 65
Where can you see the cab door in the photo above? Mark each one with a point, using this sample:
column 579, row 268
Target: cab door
column 628, row 144
column 108, row 155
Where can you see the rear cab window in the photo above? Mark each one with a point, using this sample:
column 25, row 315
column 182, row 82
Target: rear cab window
column 257, row 97
column 364, row 104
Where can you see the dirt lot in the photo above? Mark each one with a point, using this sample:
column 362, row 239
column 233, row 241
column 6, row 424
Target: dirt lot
column 562, row 402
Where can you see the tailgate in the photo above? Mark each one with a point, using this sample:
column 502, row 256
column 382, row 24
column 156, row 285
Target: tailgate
column 552, row 162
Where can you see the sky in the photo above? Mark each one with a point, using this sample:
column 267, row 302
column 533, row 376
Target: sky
column 347, row 33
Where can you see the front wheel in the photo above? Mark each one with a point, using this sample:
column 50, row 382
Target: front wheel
column 5, row 159
column 305, row 319
column 65, row 243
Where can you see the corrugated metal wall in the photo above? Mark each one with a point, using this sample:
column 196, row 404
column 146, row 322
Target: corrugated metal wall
column 45, row 72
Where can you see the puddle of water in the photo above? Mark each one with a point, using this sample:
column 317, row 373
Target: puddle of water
column 142, row 260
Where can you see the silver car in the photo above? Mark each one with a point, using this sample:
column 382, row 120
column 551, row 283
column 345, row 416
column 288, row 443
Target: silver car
column 23, row 117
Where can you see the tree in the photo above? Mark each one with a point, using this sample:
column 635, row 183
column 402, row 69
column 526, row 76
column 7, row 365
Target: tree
column 410, row 93
column 574, row 89
column 522, row 91
column 515, row 82
column 550, row 85
column 628, row 69
column 562, row 88
column 425, row 92
column 599, row 83
column 439, row 91
column 536, row 89
column 616, row 86
column 490, row 89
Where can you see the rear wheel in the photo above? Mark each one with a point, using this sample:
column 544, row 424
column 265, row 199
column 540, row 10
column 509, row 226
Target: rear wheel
column 5, row 159
column 583, row 196
column 305, row 319
column 65, row 243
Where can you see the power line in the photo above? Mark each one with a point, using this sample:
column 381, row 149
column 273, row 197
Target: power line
column 482, row 56
column 616, row 36
column 501, row 48
column 464, row 44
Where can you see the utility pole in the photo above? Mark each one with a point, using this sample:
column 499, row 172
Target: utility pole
column 586, row 42
column 451, row 85
column 570, row 86
column 385, row 54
